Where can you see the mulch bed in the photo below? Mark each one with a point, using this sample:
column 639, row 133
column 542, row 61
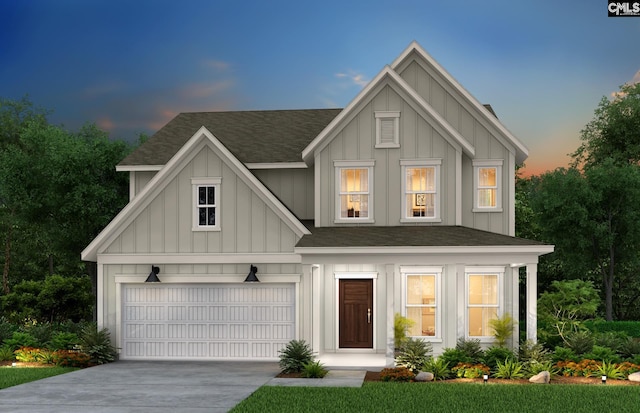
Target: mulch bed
column 375, row 376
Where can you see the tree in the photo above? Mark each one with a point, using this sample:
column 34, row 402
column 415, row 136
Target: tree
column 614, row 132
column 593, row 219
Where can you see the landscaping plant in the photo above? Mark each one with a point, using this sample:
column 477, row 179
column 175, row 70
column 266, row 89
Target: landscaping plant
column 396, row 374
column 509, row 369
column 313, row 370
column 502, row 329
column 401, row 325
column 470, row 371
column 471, row 347
column 294, row 356
column 97, row 345
column 438, row 367
column 494, row 355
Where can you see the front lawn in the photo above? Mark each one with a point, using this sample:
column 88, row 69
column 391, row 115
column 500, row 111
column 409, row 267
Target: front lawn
column 12, row 376
column 444, row 397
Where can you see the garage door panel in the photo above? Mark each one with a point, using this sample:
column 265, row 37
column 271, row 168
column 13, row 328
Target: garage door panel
column 207, row 321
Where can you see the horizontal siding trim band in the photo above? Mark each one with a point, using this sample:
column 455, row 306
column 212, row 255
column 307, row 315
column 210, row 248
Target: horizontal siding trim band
column 156, row 259
column 208, row 279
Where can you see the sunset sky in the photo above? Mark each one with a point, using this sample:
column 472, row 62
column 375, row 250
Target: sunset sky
column 130, row 66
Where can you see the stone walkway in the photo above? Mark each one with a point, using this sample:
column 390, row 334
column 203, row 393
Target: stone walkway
column 335, row 378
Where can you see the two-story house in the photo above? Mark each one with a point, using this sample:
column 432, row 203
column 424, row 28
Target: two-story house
column 268, row 226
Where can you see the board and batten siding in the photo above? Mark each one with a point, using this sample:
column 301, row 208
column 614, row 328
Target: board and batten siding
column 293, row 187
column 418, row 140
column 248, row 224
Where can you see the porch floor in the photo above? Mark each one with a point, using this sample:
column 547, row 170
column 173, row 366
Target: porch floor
column 354, row 361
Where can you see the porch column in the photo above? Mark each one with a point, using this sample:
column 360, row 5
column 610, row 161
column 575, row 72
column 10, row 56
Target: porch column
column 532, row 303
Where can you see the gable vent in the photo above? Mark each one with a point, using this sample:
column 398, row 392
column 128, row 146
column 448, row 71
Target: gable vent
column 387, row 131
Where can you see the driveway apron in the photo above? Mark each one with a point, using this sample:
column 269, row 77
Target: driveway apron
column 142, row 386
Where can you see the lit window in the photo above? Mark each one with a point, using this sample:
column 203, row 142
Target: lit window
column 483, row 302
column 422, row 298
column 354, row 191
column 206, row 193
column 487, row 185
column 420, row 188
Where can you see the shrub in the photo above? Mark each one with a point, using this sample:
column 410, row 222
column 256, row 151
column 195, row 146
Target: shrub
column 313, row 370
column 530, row 352
column 564, row 354
column 580, row 342
column 612, row 339
column 471, row 347
column 28, row 354
column 400, row 326
column 627, row 368
column 294, row 356
column 438, row 367
column 502, row 329
column 413, row 354
column 70, row 358
column 97, row 345
column 396, row 374
column 610, row 370
column 493, row 355
column 19, row 339
column 535, row 367
column 6, row 354
column 41, row 331
column 631, row 328
column 510, row 369
column 454, row 356
column 63, row 341
column 470, row 371
column 630, row 348
column 602, row 353
column 6, row 329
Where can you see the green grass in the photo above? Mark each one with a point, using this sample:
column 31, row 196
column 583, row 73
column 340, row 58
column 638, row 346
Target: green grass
column 12, row 376
column 444, row 397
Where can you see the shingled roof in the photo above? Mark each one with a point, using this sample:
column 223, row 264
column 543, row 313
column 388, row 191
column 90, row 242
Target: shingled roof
column 265, row 136
column 407, row 236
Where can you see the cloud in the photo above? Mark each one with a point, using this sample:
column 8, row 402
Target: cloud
column 356, row 78
column 635, row 79
column 219, row 65
column 205, row 90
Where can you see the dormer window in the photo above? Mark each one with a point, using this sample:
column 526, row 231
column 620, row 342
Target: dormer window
column 354, row 191
column 387, row 129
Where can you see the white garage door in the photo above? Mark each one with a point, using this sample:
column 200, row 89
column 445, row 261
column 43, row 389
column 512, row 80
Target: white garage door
column 206, row 321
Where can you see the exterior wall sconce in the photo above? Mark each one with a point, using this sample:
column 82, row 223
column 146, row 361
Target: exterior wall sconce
column 251, row 278
column 153, row 276
column 485, row 378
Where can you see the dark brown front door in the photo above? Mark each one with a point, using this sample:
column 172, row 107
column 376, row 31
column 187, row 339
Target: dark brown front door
column 356, row 314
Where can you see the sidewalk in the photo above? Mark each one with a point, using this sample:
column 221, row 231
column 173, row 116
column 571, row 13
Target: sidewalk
column 335, row 378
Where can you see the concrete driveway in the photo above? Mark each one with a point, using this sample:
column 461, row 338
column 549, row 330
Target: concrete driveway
column 142, row 386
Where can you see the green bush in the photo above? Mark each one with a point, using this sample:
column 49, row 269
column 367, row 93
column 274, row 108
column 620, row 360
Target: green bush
column 631, row 328
column 63, row 340
column 438, row 367
column 494, row 355
column 313, row 370
column 7, row 354
column 19, row 339
column 630, row 348
column 509, row 369
column 611, row 370
column 534, row 367
column 455, row 356
column 400, row 326
column 580, row 342
column 531, row 352
column 502, row 329
column 97, row 345
column 294, row 356
column 602, row 353
column 6, row 329
column 612, row 339
column 471, row 347
column 564, row 354
column 413, row 354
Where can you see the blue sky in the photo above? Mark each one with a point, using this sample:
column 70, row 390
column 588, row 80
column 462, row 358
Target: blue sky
column 130, row 66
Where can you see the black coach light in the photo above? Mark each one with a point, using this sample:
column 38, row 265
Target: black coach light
column 251, row 278
column 153, row 276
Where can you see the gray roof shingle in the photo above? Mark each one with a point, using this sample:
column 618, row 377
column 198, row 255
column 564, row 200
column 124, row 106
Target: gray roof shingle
column 407, row 236
column 264, row 136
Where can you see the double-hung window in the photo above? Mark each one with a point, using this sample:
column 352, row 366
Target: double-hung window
column 483, row 299
column 206, row 204
column 422, row 300
column 487, row 188
column 354, row 190
column 420, row 188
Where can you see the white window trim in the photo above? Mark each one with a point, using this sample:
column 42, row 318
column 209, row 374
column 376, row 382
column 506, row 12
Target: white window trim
column 339, row 166
column 195, row 183
column 411, row 163
column 488, row 163
column 425, row 270
column 499, row 271
column 393, row 115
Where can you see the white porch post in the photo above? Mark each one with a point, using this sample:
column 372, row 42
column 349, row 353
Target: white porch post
column 532, row 303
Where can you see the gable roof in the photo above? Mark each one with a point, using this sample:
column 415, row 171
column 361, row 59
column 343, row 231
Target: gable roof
column 200, row 139
column 491, row 122
column 266, row 136
column 389, row 77
column 441, row 236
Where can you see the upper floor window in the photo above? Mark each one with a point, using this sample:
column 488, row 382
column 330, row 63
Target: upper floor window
column 354, row 190
column 487, row 188
column 422, row 300
column 387, row 129
column 206, row 199
column 483, row 300
column 420, row 188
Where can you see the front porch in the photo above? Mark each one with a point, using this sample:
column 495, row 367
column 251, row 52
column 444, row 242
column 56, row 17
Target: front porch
column 355, row 361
